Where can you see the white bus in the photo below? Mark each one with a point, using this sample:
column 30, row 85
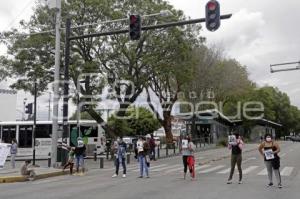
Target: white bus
column 92, row 133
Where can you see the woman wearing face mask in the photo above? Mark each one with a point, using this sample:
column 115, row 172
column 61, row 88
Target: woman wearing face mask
column 269, row 149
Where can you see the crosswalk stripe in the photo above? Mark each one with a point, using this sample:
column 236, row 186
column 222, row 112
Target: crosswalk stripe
column 224, row 171
column 165, row 168
column 151, row 167
column 287, row 171
column 249, row 169
column 198, row 167
column 212, row 169
column 263, row 172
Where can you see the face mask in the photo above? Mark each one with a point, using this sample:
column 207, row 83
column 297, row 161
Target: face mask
column 268, row 139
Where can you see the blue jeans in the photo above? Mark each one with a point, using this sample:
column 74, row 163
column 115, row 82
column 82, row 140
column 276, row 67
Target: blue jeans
column 79, row 162
column 117, row 163
column 143, row 165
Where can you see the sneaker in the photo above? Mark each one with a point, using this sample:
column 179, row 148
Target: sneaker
column 279, row 186
column 140, row 177
column 240, row 182
column 148, row 177
column 270, row 184
column 124, row 176
column 114, row 176
column 229, row 182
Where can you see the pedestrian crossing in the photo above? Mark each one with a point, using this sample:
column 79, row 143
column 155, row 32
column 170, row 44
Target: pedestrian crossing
column 207, row 169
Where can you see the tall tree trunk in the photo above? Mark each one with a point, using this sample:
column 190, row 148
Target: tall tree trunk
column 167, row 125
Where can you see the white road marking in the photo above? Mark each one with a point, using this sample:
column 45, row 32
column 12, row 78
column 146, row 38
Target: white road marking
column 151, row 167
column 249, row 159
column 287, row 171
column 181, row 168
column 263, row 172
column 282, row 155
column 212, row 169
column 249, row 169
column 225, row 171
column 165, row 168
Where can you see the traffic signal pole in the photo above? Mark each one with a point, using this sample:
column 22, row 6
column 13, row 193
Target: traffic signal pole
column 284, row 69
column 34, row 122
column 153, row 27
column 68, row 39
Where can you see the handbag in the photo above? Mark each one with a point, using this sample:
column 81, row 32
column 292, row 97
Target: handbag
column 276, row 162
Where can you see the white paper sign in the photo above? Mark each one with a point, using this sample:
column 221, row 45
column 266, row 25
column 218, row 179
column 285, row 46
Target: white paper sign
column 232, row 140
column 4, row 151
column 269, row 154
column 185, row 144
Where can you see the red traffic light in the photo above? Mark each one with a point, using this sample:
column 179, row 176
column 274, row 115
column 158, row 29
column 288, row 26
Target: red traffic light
column 211, row 5
column 133, row 18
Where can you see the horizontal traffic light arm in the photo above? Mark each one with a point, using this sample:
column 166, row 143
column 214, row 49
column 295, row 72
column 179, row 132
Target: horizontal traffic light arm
column 153, row 27
column 282, row 70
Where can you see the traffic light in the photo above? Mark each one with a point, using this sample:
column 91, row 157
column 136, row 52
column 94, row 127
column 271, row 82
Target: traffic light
column 212, row 10
column 28, row 108
column 135, row 27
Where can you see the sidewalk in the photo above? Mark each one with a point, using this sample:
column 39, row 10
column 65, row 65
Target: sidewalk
column 13, row 175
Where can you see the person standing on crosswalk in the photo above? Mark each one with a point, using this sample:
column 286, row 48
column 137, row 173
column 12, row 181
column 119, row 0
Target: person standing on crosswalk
column 119, row 149
column 142, row 151
column 235, row 144
column 269, row 149
column 187, row 150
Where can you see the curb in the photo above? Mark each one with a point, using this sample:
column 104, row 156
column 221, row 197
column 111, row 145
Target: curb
column 12, row 179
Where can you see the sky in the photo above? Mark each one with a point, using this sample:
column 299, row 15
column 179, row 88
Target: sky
column 260, row 33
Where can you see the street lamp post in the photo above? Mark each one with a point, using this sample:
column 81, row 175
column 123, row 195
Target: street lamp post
column 24, row 109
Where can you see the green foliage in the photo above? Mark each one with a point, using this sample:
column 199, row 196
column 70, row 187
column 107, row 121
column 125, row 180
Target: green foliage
column 140, row 121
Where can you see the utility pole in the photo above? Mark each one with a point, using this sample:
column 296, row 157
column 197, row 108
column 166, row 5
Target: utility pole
column 66, row 91
column 56, row 84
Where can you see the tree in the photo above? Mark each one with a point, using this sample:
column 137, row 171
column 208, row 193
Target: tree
column 137, row 121
column 114, row 59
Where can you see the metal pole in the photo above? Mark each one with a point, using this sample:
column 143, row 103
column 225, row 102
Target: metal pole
column 66, row 89
column 34, row 120
column 78, row 114
column 153, row 27
column 49, row 107
column 56, row 84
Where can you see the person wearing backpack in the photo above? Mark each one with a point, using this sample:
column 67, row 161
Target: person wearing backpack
column 269, row 150
column 119, row 149
column 236, row 145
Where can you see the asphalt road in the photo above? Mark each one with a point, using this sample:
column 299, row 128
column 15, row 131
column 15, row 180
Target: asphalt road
column 166, row 181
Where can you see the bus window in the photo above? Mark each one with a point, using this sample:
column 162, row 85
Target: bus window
column 89, row 131
column 25, row 136
column 8, row 133
column 43, row 131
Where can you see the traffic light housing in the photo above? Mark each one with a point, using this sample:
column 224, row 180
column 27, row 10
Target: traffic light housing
column 135, row 27
column 212, row 11
column 28, row 108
